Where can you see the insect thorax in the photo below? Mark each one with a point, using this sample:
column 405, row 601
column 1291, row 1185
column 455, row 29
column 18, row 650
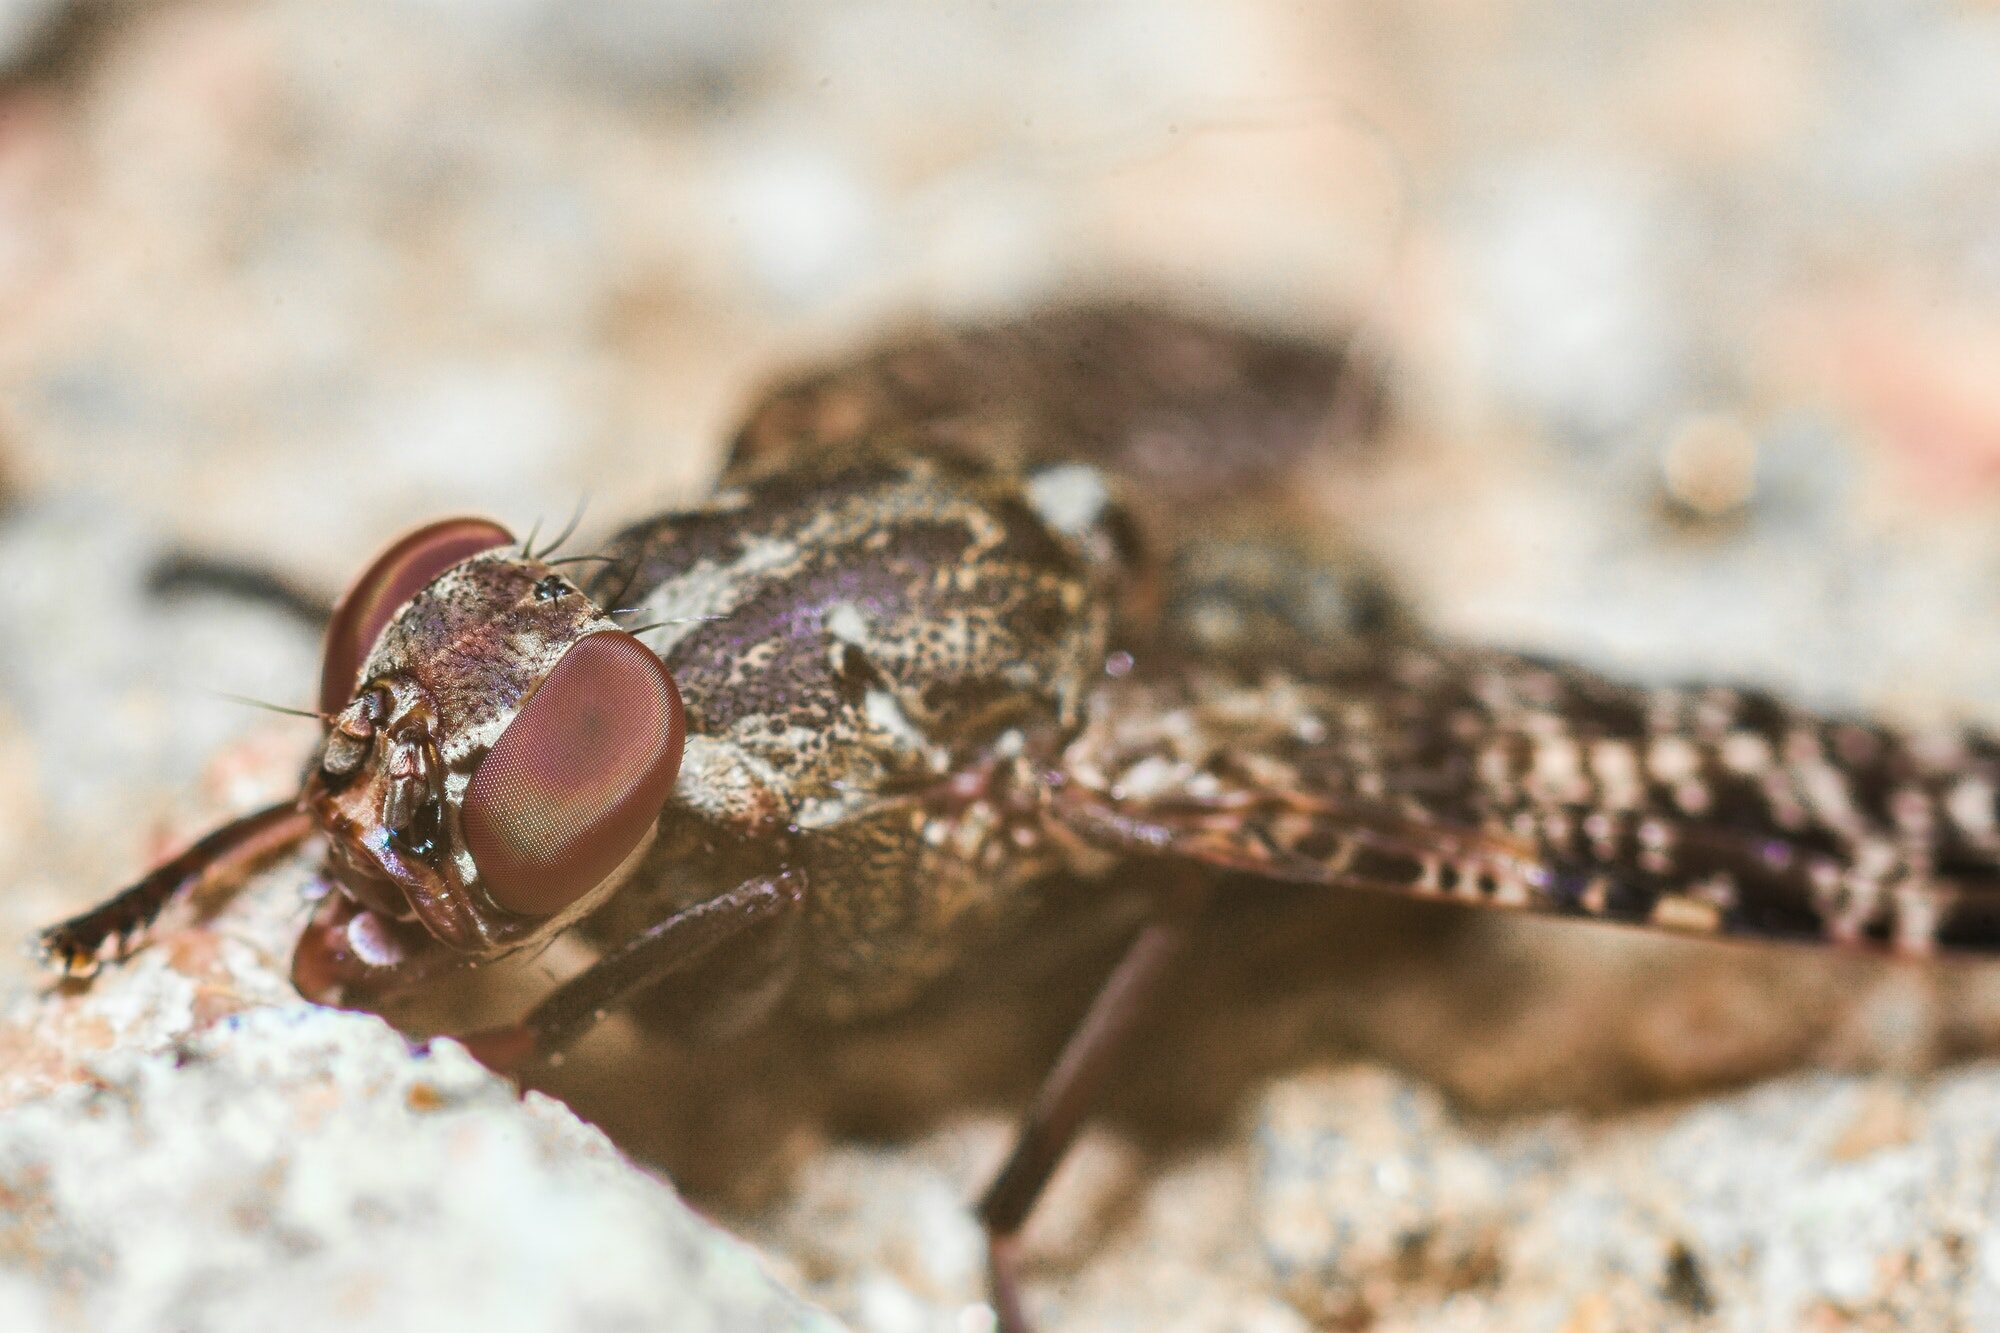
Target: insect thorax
column 850, row 635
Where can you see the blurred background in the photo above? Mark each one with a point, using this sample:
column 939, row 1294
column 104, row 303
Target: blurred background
column 1691, row 312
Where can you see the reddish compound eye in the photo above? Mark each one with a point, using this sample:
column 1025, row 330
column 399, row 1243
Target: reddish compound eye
column 396, row 576
column 577, row 778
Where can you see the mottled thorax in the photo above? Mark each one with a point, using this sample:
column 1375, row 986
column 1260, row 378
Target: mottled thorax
column 853, row 625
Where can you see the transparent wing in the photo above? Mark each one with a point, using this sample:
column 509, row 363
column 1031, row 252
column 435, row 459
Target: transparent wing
column 1505, row 781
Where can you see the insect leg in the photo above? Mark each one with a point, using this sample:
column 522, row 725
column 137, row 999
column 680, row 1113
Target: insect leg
column 178, row 573
column 113, row 928
column 643, row 961
column 1069, row 1091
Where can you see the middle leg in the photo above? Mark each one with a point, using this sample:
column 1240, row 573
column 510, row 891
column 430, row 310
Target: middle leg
column 1071, row 1088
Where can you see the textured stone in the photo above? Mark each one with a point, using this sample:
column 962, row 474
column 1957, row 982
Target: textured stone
column 185, row 1144
column 1810, row 1201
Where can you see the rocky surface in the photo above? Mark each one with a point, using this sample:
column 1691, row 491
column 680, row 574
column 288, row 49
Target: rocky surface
column 1809, row 1202
column 187, row 1145
column 1692, row 316
column 1357, row 1199
column 299, row 1168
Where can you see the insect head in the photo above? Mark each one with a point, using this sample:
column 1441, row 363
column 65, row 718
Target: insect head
column 497, row 748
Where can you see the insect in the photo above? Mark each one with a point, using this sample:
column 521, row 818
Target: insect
column 989, row 612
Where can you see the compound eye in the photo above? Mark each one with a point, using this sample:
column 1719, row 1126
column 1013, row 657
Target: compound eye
column 397, row 575
column 578, row 778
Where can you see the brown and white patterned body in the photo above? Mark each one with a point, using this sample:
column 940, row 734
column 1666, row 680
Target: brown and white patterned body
column 854, row 635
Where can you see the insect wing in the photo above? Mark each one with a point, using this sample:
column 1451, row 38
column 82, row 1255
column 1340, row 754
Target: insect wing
column 1499, row 780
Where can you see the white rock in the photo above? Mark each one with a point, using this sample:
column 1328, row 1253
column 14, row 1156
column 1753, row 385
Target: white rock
column 185, row 1145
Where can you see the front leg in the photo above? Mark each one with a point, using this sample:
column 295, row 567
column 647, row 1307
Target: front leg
column 647, row 959
column 114, row 928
